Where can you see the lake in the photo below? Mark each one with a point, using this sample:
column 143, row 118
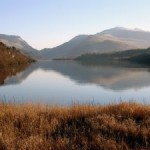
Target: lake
column 69, row 82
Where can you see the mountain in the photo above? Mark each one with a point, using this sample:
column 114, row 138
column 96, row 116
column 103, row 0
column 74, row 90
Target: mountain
column 64, row 49
column 135, row 37
column 19, row 43
column 111, row 40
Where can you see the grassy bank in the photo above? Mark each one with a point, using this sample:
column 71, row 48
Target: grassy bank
column 123, row 126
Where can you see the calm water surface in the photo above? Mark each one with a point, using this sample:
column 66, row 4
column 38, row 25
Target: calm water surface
column 67, row 82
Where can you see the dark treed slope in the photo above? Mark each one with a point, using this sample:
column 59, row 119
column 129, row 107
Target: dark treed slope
column 141, row 56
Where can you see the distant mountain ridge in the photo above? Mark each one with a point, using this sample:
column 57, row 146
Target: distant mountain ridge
column 19, row 43
column 111, row 40
column 131, row 36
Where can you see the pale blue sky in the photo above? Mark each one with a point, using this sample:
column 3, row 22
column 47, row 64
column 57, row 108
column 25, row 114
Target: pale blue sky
column 47, row 23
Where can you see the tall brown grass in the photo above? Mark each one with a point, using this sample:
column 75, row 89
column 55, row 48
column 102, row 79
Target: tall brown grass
column 35, row 127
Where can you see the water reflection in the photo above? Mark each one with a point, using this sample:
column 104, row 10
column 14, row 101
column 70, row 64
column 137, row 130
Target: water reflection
column 9, row 72
column 109, row 77
column 64, row 82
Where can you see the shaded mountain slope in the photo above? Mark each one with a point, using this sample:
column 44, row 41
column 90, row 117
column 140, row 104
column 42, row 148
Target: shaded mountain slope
column 141, row 56
column 19, row 43
column 10, row 56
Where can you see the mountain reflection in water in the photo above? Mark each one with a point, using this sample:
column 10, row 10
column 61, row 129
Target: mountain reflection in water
column 9, row 72
column 110, row 77
column 76, row 80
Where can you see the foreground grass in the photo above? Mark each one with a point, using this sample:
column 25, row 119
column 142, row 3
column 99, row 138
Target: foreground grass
column 35, row 127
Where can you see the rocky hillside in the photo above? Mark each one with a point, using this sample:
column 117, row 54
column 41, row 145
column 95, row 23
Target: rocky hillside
column 19, row 43
column 10, row 56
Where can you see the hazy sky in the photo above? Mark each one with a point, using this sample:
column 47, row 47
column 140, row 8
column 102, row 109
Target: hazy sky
column 47, row 23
